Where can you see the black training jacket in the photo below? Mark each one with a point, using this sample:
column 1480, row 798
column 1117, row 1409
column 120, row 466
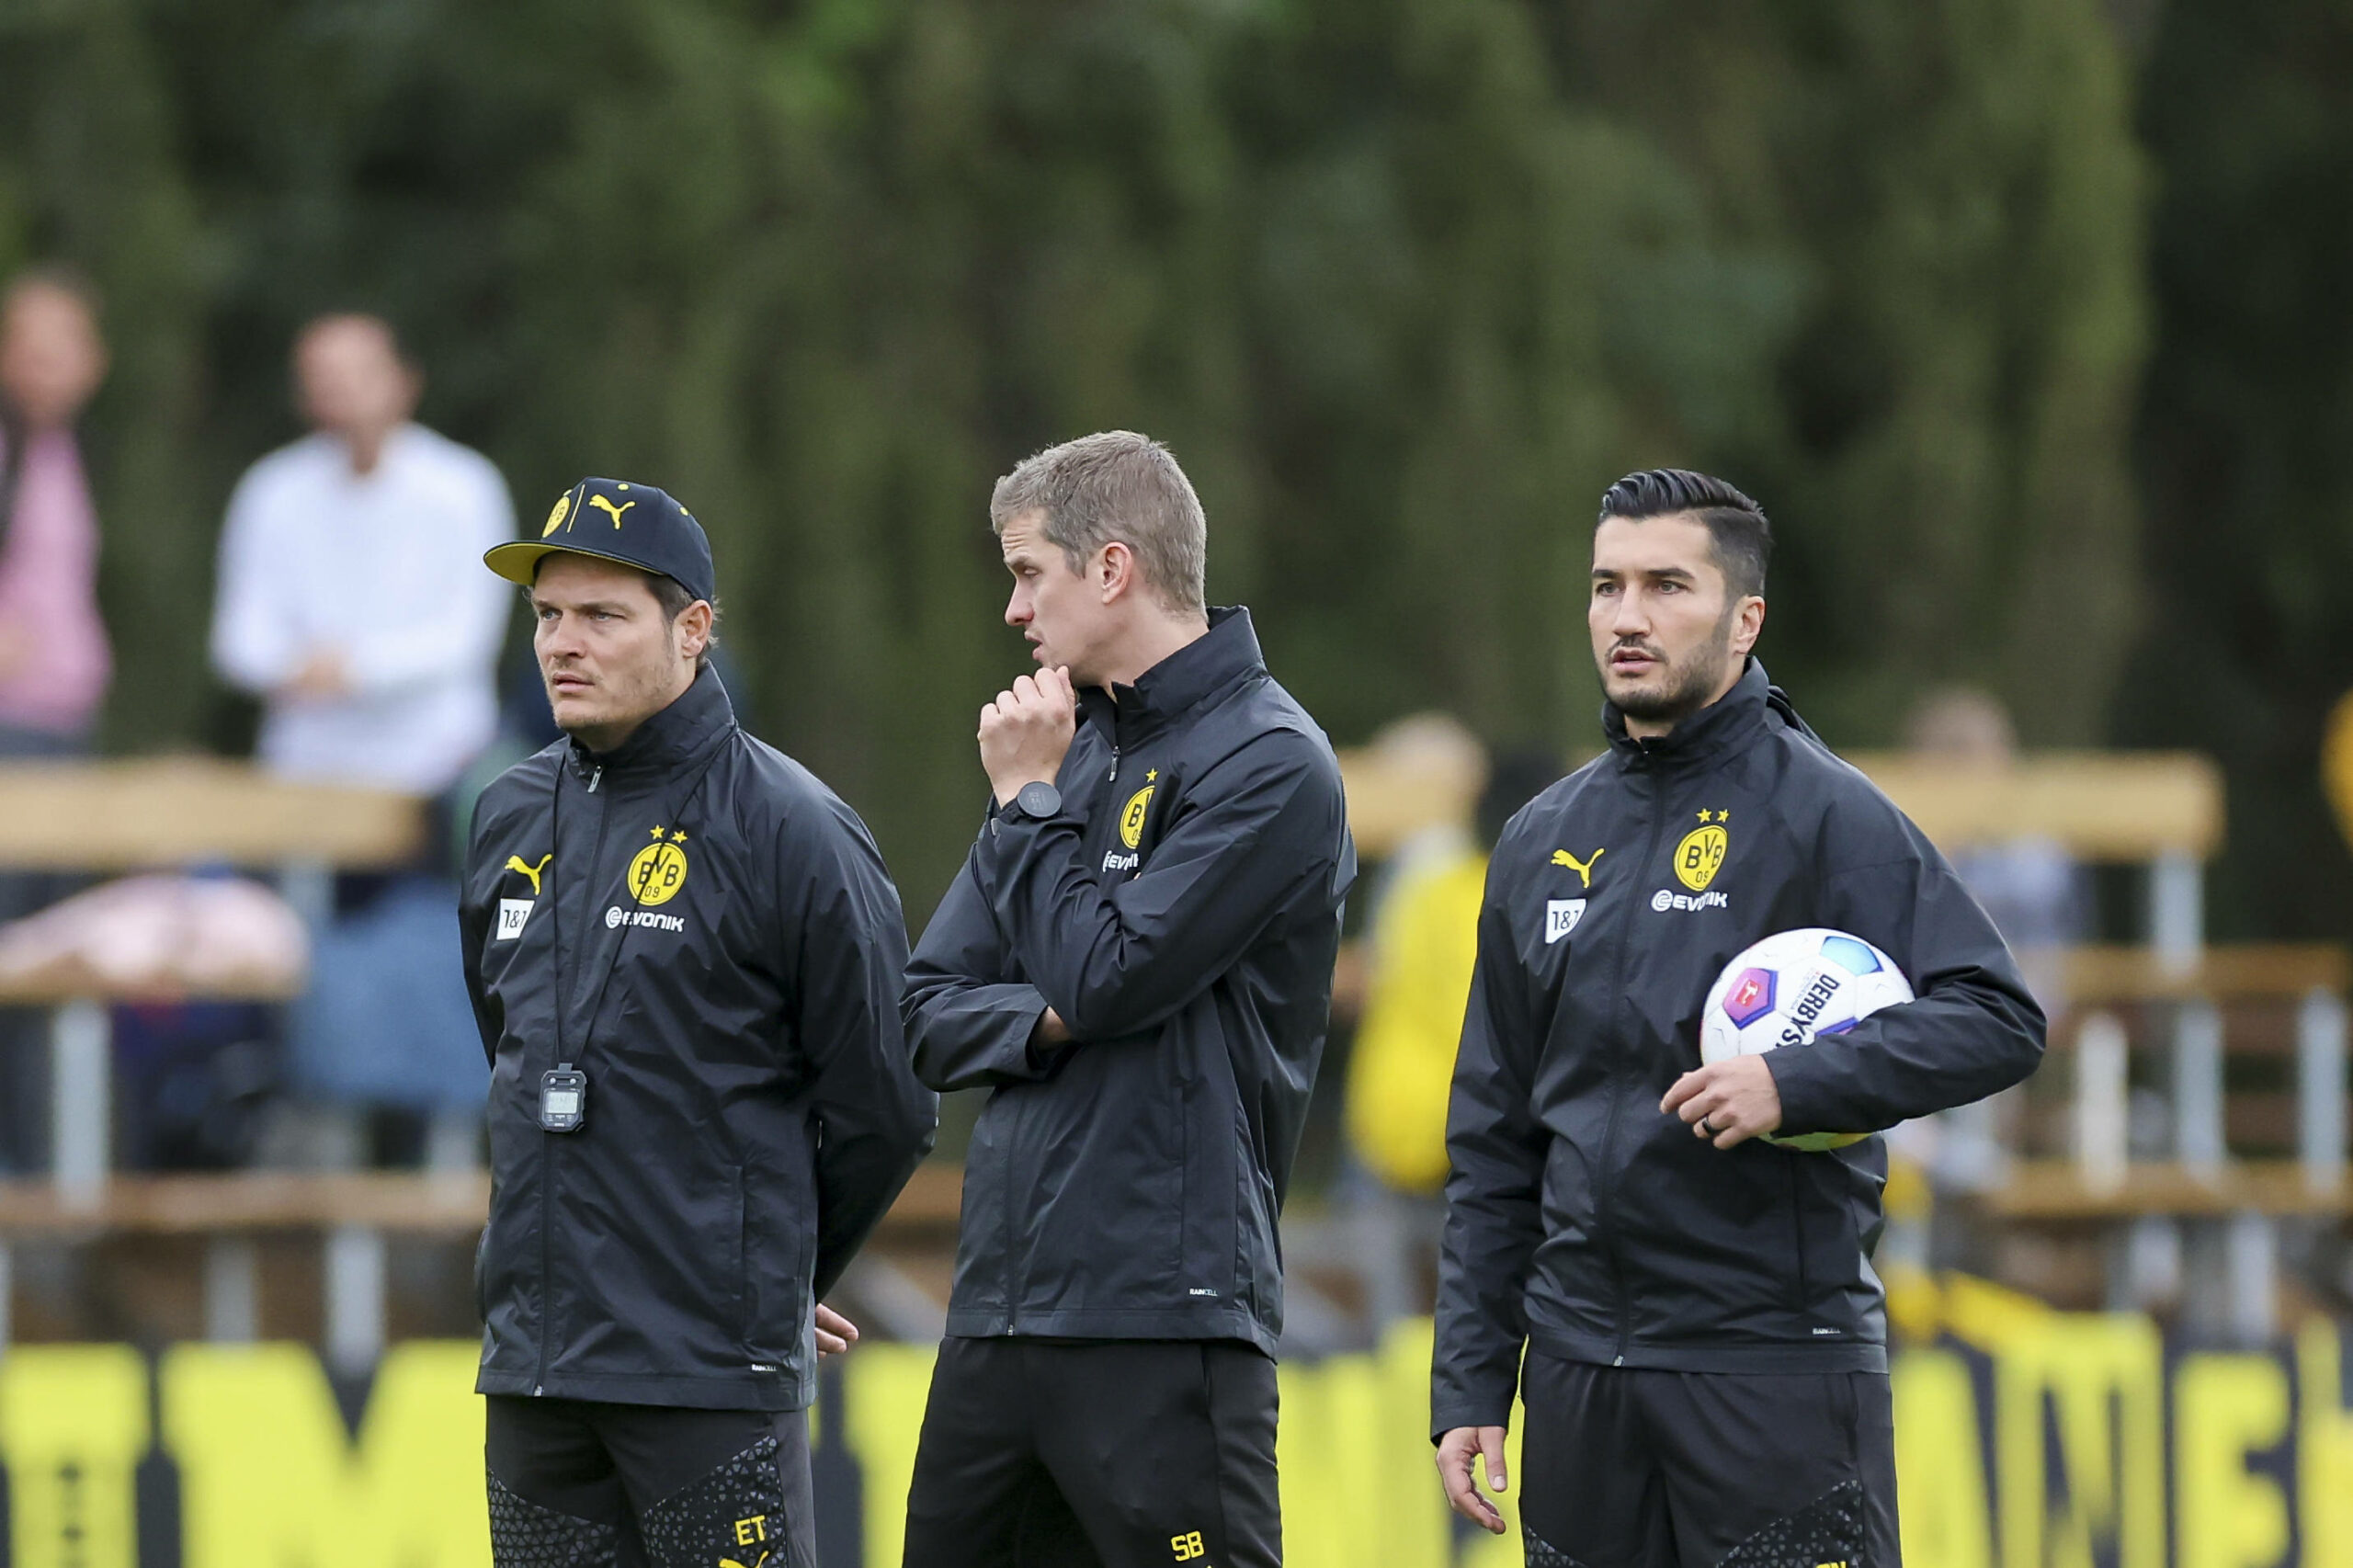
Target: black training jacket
column 1180, row 915
column 1583, row 1219
column 700, row 926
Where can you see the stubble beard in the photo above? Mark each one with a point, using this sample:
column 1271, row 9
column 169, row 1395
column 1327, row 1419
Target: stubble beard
column 1689, row 687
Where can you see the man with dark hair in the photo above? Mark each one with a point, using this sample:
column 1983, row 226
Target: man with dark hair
column 1136, row 963
column 1705, row 1364
column 686, row 959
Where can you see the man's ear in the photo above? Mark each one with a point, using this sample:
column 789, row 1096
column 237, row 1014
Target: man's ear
column 1748, row 623
column 694, row 629
column 1114, row 570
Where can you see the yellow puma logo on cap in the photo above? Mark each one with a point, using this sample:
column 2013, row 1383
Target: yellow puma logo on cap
column 1584, row 868
column 514, row 863
column 605, row 504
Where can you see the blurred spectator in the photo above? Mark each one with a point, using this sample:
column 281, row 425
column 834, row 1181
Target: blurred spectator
column 351, row 598
column 54, row 659
column 1426, row 935
column 2030, row 886
column 2336, row 764
column 352, row 601
column 2034, row 892
column 1435, row 761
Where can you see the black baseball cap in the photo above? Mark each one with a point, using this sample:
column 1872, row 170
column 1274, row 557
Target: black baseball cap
column 613, row 519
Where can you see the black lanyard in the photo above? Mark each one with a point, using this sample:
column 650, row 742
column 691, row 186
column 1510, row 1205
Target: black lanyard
column 555, row 907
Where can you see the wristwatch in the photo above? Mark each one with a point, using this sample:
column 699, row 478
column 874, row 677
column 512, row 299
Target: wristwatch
column 1037, row 798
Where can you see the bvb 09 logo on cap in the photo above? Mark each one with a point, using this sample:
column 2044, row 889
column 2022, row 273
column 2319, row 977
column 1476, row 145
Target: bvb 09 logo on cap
column 657, row 872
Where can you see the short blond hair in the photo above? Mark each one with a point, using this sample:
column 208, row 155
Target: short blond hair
column 1116, row 486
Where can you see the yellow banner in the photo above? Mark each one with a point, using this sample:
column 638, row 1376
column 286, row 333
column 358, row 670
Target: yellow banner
column 2025, row 1438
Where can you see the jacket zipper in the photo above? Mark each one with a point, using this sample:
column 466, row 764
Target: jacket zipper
column 548, row 1139
column 1610, row 1121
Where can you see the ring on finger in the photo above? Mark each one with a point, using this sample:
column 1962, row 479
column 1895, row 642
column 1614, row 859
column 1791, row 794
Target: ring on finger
column 1707, row 1129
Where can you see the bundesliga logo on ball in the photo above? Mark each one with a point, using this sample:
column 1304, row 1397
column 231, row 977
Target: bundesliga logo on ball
column 1790, row 990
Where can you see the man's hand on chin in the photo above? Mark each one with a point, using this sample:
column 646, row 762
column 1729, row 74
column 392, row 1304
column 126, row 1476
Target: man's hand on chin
column 1026, row 733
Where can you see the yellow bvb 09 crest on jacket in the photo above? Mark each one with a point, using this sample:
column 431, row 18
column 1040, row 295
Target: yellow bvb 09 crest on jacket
column 657, row 872
column 1139, row 805
column 1697, row 858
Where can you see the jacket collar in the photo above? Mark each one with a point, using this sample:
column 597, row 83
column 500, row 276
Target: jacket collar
column 1213, row 663
column 685, row 729
column 1725, row 724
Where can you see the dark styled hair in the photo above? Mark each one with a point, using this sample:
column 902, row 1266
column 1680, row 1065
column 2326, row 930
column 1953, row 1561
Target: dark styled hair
column 1738, row 535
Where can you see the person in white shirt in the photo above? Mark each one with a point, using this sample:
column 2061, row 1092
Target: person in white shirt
column 350, row 597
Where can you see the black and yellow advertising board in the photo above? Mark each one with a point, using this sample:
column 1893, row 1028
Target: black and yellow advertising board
column 2026, row 1438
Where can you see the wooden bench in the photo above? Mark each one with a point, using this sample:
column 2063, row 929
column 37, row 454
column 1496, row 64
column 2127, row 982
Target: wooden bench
column 170, row 813
column 2049, row 1192
column 2105, row 807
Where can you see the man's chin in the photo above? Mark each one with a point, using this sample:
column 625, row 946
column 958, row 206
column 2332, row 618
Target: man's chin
column 1651, row 701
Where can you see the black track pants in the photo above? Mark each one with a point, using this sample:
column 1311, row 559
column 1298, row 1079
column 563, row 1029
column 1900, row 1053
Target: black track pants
column 578, row 1484
column 1631, row 1468
column 1104, row 1454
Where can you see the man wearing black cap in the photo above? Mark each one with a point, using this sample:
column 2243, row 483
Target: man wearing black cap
column 684, row 956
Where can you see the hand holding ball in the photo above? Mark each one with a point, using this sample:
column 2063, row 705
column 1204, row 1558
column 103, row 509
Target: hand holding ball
column 1788, row 990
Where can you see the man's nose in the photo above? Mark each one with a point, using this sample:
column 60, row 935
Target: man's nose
column 1630, row 617
column 1016, row 608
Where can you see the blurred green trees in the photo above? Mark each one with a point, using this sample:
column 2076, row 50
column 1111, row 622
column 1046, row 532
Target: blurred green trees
column 2245, row 438
column 1405, row 283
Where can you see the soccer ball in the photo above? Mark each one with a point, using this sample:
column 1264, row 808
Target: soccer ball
column 1790, row 987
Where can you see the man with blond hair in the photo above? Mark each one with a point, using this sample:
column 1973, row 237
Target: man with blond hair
column 1136, row 963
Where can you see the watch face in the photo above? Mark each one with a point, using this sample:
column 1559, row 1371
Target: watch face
column 1040, row 799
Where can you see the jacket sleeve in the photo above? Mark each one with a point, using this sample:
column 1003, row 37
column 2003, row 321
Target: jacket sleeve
column 969, row 1015
column 1973, row 1030
column 473, row 929
column 848, row 951
column 1121, row 959
column 1493, row 1218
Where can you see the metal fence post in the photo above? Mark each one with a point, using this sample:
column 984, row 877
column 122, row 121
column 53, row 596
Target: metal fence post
column 2101, row 1066
column 2177, row 909
column 82, row 1102
column 354, row 1271
column 2198, row 1139
column 2320, row 1089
